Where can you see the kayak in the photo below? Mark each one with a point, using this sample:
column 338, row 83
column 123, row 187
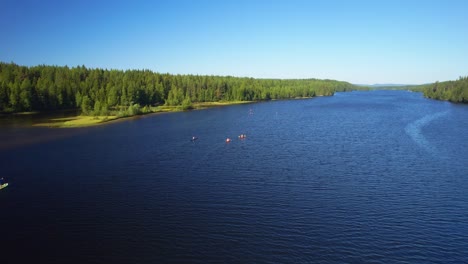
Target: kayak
column 3, row 185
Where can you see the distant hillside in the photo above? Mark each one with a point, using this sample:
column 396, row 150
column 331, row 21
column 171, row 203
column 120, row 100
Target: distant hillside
column 454, row 91
column 380, row 85
column 386, row 86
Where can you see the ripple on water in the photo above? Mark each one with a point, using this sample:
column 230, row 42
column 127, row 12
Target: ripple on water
column 414, row 130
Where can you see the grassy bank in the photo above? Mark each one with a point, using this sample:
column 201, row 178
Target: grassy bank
column 76, row 121
column 85, row 120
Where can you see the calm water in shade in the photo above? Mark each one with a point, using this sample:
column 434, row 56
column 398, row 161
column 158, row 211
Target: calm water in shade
column 360, row 177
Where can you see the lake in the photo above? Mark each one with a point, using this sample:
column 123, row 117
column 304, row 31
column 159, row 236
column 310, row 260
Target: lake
column 359, row 177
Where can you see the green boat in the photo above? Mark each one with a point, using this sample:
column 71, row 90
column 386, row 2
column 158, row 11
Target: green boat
column 3, row 185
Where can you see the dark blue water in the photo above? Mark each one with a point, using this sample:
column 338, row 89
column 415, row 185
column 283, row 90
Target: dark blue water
column 360, row 177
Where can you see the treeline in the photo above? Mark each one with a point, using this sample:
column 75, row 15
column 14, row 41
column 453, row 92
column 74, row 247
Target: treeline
column 43, row 87
column 454, row 91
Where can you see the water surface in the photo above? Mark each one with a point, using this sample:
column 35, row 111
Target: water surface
column 360, row 177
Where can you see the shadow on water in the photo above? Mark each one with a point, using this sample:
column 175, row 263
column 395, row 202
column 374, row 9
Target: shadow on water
column 29, row 119
column 17, row 130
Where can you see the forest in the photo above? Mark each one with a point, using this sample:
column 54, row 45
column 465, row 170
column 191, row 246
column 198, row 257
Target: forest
column 98, row 91
column 454, row 91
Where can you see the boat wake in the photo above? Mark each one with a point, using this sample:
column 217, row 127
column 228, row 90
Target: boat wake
column 414, row 130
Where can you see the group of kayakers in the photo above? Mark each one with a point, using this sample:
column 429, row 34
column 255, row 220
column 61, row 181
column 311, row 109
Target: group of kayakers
column 241, row 136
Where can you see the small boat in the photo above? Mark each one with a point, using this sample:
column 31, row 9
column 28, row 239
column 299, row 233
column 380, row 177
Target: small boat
column 228, row 140
column 4, row 185
column 194, row 138
column 242, row 136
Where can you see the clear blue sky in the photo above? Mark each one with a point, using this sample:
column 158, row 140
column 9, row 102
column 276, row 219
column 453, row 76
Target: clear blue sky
column 362, row 42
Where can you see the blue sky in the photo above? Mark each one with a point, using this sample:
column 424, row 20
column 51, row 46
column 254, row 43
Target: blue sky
column 363, row 42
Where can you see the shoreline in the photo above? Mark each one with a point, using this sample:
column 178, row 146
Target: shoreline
column 80, row 121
